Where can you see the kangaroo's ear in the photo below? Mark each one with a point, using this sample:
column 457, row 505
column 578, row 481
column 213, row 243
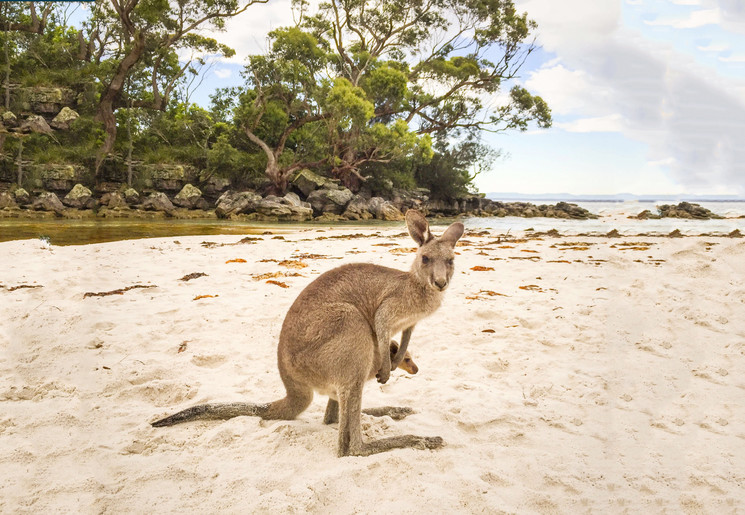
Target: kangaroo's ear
column 453, row 233
column 418, row 227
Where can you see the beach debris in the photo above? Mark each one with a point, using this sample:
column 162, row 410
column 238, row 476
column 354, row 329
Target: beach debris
column 312, row 256
column 488, row 331
column 613, row 234
column 291, row 263
column 23, row 287
column 385, row 244
column 735, row 234
column 531, row 287
column 478, row 268
column 487, row 293
column 205, row 297
column 273, row 275
column 182, row 347
column 237, row 260
column 278, row 283
column 195, row 275
column 119, row 291
column 559, row 261
column 675, row 234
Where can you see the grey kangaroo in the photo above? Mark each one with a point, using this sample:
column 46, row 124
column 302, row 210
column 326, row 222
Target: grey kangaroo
column 336, row 336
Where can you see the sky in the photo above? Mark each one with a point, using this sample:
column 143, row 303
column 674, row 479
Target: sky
column 647, row 96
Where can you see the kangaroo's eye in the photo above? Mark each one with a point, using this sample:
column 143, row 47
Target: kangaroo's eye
column 425, row 260
column 450, row 262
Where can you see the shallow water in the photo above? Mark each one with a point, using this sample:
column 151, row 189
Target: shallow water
column 613, row 215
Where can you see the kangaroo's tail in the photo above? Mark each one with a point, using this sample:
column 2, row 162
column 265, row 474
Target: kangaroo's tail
column 220, row 411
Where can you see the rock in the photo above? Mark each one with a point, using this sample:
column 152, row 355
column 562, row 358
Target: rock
column 169, row 177
column 45, row 99
column 358, row 209
column 9, row 119
column 215, row 186
column 307, row 182
column 64, row 118
column 79, row 197
column 107, row 187
column 686, row 210
column 283, row 209
column 131, row 196
column 233, row 203
column 384, row 209
column 294, row 200
column 158, row 201
column 330, row 201
column 117, row 201
column 48, row 201
column 7, row 200
column 35, row 123
column 329, row 217
column 22, row 196
column 188, row 197
column 57, row 177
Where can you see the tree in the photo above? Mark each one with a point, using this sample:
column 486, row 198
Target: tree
column 459, row 53
column 124, row 35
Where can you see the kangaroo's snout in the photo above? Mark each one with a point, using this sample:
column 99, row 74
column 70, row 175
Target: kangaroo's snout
column 441, row 284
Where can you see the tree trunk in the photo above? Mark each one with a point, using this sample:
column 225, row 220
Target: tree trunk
column 111, row 95
column 129, row 148
column 7, row 58
column 19, row 162
column 278, row 181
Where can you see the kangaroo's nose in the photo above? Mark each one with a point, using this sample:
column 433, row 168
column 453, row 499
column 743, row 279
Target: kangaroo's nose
column 441, row 284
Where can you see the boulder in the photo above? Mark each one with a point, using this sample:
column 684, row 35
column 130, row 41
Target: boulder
column 384, row 209
column 59, row 177
column 131, row 196
column 294, row 200
column 358, row 209
column 48, row 201
column 233, row 203
column 307, row 182
column 117, row 201
column 7, row 200
column 22, row 196
column 46, row 100
column 158, row 201
column 35, row 123
column 169, row 177
column 188, row 197
column 79, row 197
column 215, row 186
column 9, row 119
column 686, row 210
column 330, row 200
column 283, row 209
column 64, row 118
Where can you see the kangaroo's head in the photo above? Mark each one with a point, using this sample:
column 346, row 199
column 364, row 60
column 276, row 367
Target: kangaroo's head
column 434, row 260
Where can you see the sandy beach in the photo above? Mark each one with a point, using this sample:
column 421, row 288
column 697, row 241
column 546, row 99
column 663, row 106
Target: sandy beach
column 566, row 375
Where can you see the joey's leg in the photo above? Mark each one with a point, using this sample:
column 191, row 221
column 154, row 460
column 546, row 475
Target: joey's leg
column 399, row 357
column 332, row 412
column 395, row 412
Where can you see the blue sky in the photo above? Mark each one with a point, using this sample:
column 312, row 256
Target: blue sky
column 648, row 96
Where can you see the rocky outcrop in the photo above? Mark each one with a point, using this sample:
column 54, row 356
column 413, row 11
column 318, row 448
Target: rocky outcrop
column 233, row 203
column 79, row 197
column 686, row 210
column 358, row 209
column 22, row 196
column 115, row 200
column 384, row 210
column 332, row 201
column 64, row 118
column 131, row 196
column 58, row 177
column 43, row 100
column 48, row 201
column 7, row 200
column 190, row 197
column 158, row 201
column 284, row 209
column 306, row 182
column 167, row 177
column 35, row 123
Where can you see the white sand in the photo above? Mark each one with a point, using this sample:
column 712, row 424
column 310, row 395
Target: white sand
column 614, row 383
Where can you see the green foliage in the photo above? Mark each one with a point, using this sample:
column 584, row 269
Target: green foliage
column 450, row 172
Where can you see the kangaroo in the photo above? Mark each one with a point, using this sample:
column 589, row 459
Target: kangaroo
column 407, row 363
column 336, row 336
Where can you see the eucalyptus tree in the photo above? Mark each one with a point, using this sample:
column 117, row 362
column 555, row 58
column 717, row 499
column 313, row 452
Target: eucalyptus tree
column 150, row 37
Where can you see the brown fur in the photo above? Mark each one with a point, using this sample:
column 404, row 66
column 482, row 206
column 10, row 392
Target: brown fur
column 337, row 334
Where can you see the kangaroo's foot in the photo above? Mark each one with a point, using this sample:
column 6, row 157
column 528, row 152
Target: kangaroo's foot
column 395, row 412
column 397, row 442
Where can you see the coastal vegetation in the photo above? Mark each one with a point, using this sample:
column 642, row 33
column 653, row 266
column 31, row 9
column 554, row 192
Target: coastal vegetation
column 374, row 97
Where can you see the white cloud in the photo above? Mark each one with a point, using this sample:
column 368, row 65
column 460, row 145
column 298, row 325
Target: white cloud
column 223, row 73
column 713, row 47
column 735, row 58
column 698, row 18
column 610, row 78
column 610, row 123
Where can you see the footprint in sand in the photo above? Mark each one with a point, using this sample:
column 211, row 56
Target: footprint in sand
column 211, row 361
